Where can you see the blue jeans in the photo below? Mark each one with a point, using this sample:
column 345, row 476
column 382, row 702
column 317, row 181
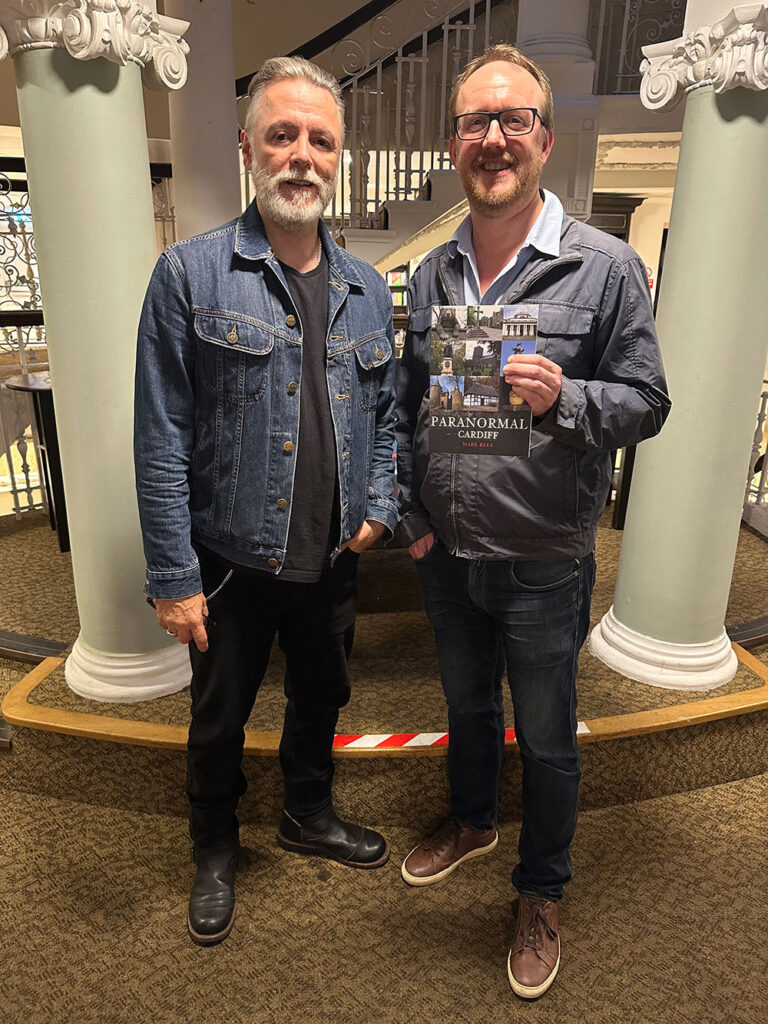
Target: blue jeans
column 532, row 617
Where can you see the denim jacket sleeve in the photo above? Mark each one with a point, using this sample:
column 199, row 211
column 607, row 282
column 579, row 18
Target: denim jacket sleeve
column 382, row 503
column 626, row 400
column 164, row 432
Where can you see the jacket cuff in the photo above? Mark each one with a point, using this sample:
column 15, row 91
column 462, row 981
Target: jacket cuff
column 413, row 527
column 549, row 419
column 560, row 421
column 174, row 583
column 382, row 510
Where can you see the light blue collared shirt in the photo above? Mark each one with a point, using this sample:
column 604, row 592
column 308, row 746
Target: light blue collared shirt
column 544, row 236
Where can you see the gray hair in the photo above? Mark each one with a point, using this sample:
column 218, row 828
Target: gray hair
column 277, row 69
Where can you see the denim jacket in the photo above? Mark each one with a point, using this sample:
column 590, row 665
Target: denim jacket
column 596, row 322
column 217, row 402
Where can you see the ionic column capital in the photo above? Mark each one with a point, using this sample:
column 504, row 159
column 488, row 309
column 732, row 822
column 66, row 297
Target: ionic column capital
column 122, row 31
column 731, row 53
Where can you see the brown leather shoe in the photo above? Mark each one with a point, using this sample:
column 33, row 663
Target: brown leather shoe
column 534, row 958
column 440, row 854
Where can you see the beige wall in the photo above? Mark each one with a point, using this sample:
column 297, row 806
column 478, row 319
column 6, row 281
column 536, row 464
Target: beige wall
column 264, row 29
column 646, row 230
column 9, row 108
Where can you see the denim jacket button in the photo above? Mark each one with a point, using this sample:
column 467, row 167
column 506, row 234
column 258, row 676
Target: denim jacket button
column 293, row 387
column 281, row 503
column 272, row 563
column 288, row 446
column 290, row 320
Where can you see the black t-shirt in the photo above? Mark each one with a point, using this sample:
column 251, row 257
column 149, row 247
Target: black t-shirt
column 315, row 525
column 314, row 529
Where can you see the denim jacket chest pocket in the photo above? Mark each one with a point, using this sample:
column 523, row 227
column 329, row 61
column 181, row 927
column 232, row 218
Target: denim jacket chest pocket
column 235, row 354
column 565, row 337
column 371, row 356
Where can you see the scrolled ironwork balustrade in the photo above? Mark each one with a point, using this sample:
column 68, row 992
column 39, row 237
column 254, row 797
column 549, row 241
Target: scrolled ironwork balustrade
column 618, row 31
column 756, row 496
column 397, row 100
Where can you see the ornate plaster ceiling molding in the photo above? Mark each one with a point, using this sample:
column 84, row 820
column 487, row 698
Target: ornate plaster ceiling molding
column 122, row 31
column 733, row 52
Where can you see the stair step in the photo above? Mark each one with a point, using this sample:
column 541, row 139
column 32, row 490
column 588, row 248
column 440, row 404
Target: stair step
column 387, row 785
column 34, row 649
column 750, row 634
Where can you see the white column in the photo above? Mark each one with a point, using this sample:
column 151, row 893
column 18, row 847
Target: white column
column 78, row 71
column 555, row 36
column 204, row 128
column 666, row 624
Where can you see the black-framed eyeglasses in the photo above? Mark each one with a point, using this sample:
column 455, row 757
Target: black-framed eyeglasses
column 512, row 121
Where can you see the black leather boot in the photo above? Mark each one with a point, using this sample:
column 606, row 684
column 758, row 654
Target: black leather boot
column 212, row 901
column 326, row 835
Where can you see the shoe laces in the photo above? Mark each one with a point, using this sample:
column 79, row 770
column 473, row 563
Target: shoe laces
column 442, row 838
column 534, row 925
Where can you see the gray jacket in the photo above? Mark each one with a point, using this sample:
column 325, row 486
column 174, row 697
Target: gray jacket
column 596, row 323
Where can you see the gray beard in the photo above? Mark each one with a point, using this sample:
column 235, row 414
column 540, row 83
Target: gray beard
column 291, row 216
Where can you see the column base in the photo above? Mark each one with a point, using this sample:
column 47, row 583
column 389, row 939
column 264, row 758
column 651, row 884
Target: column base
column 659, row 662
column 127, row 678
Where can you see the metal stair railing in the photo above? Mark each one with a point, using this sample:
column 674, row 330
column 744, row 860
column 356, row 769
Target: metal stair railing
column 397, row 98
column 397, row 108
column 756, row 497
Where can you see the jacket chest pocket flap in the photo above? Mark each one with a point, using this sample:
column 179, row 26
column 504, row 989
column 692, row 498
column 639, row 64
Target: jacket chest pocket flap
column 371, row 355
column 565, row 337
column 235, row 356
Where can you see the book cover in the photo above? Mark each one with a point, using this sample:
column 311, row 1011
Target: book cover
column 472, row 410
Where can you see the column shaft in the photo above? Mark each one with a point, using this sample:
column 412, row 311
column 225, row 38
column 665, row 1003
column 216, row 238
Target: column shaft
column 86, row 153
column 206, row 171
column 557, row 40
column 688, row 486
column 544, row 32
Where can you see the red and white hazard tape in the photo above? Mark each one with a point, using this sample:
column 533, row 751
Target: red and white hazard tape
column 387, row 740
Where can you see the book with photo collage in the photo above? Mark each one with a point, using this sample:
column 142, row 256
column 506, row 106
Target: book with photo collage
column 472, row 409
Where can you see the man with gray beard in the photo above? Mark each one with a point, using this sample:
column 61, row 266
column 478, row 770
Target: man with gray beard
column 264, row 440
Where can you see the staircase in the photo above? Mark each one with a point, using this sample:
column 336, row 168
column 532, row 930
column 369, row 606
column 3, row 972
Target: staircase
column 396, row 74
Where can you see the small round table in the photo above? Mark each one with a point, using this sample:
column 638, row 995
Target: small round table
column 38, row 384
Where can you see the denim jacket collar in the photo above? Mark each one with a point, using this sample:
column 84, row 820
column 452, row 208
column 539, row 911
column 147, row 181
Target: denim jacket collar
column 251, row 243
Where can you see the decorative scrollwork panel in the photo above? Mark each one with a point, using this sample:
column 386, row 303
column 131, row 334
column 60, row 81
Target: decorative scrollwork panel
column 618, row 31
column 19, row 281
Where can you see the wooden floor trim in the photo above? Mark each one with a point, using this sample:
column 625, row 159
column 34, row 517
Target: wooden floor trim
column 17, row 710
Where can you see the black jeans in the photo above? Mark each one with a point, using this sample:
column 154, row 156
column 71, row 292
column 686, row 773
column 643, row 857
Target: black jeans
column 532, row 619
column 314, row 623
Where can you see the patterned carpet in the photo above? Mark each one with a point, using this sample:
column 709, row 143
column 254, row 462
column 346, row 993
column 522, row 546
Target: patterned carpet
column 663, row 923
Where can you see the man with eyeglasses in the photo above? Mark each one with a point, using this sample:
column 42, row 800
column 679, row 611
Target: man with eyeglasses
column 504, row 544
